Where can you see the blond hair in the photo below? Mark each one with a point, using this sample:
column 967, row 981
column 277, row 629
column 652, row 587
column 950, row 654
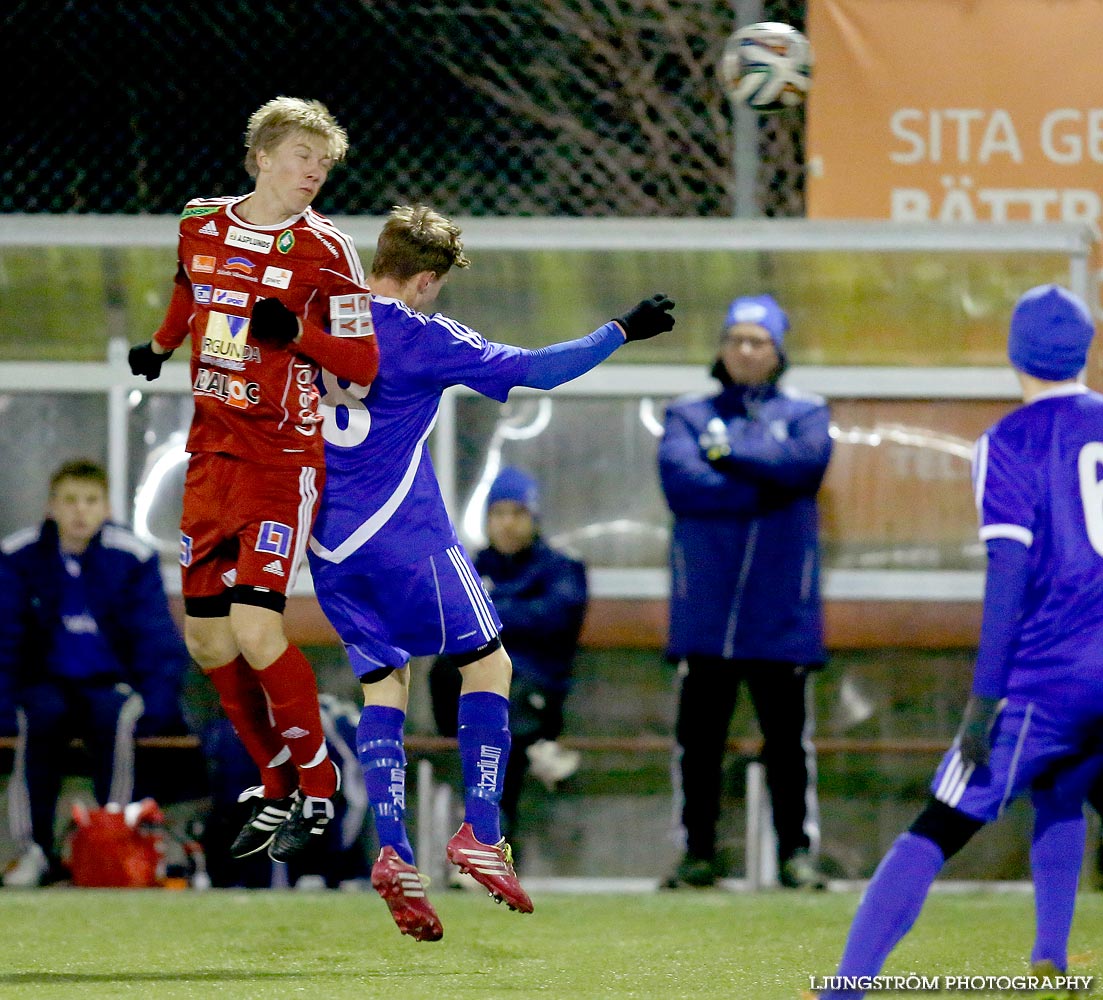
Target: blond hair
column 415, row 239
column 271, row 123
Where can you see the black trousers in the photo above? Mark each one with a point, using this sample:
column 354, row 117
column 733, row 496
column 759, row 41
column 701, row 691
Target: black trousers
column 709, row 693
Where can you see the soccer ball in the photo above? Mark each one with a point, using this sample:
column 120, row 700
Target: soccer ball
column 767, row 67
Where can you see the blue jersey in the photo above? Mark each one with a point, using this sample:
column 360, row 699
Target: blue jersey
column 1038, row 477
column 381, row 499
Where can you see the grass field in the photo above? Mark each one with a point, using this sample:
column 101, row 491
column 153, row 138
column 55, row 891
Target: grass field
column 270, row 945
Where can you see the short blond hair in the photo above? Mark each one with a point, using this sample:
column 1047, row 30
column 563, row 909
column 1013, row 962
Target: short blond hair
column 271, row 123
column 415, row 239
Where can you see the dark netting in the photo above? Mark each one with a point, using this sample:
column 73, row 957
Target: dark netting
column 484, row 107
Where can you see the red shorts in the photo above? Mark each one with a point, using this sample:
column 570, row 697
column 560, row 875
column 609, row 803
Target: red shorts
column 244, row 523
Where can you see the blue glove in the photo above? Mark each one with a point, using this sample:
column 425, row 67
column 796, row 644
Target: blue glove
column 976, row 727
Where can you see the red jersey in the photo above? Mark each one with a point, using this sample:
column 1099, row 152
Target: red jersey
column 254, row 401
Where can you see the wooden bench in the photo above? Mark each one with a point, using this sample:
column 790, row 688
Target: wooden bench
column 631, row 623
column 423, row 743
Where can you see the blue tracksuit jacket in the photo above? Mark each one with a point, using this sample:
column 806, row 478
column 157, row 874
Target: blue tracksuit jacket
column 125, row 596
column 540, row 595
column 745, row 563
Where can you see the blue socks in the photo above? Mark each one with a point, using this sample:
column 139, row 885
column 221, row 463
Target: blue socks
column 484, row 750
column 383, row 761
column 1056, row 852
column 889, row 907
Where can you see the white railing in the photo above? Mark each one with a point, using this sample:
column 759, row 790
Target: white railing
column 1075, row 242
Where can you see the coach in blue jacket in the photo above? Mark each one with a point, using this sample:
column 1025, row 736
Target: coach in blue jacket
column 740, row 471
column 87, row 649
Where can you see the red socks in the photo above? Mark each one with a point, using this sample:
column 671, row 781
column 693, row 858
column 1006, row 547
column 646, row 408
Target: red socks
column 293, row 696
column 245, row 706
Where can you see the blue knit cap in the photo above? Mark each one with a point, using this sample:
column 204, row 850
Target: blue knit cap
column 762, row 310
column 513, row 484
column 1051, row 330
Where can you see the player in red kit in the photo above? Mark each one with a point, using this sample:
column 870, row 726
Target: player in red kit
column 269, row 292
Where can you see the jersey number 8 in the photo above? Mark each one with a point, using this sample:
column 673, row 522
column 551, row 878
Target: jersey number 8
column 346, row 418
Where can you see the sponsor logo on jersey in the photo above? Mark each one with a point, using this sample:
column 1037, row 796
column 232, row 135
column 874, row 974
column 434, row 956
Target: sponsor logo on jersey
column 247, row 240
column 191, row 213
column 201, row 294
column 307, row 389
column 239, row 268
column 285, row 241
column 230, row 297
column 294, row 733
column 210, row 229
column 350, row 315
column 277, row 277
column 202, row 263
column 275, row 537
column 233, row 390
column 329, row 246
column 226, row 341
column 185, row 549
column 275, row 567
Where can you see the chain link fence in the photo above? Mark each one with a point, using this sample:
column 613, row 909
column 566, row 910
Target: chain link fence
column 478, row 107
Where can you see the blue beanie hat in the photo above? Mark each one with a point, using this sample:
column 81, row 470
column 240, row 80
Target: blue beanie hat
column 1051, row 330
column 763, row 311
column 513, row 484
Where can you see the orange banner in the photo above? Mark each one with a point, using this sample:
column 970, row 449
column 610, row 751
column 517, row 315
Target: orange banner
column 956, row 110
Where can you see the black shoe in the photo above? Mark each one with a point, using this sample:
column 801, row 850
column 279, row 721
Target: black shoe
column 309, row 818
column 800, row 872
column 691, row 872
column 264, row 820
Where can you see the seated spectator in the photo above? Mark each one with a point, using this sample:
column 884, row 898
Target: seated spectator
column 541, row 596
column 88, row 649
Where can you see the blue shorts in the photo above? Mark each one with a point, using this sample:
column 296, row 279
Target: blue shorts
column 435, row 605
column 1031, row 742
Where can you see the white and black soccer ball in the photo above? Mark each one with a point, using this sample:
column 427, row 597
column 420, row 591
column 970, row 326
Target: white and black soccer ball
column 767, row 67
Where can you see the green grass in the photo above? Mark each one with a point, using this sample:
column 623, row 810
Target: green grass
column 71, row 943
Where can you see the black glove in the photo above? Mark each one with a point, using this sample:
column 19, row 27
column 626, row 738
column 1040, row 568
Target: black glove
column 976, row 725
column 143, row 360
column 273, row 323
column 647, row 319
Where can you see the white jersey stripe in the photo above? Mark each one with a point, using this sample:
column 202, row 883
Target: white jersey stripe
column 954, row 780
column 331, row 232
column 474, row 593
column 1016, row 532
column 368, row 529
column 440, row 606
column 1013, row 770
column 308, row 498
column 479, row 592
column 980, row 469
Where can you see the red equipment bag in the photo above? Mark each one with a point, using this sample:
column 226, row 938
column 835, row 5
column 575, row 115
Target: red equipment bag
column 118, row 848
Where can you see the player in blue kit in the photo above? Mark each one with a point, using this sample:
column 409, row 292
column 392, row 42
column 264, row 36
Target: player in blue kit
column 388, row 569
column 1036, row 708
